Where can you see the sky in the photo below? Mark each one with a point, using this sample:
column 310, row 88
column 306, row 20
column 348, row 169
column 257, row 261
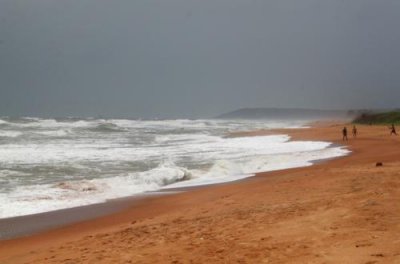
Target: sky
column 196, row 59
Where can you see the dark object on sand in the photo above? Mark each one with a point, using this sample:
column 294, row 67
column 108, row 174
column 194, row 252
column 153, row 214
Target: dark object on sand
column 344, row 133
column 393, row 130
column 354, row 131
column 379, row 164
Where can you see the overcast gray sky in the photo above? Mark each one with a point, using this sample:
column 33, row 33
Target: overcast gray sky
column 196, row 58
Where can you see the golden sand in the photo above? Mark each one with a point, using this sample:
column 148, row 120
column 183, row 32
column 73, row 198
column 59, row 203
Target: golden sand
column 345, row 210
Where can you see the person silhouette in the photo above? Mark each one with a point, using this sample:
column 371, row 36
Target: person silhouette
column 344, row 132
column 354, row 131
column 392, row 130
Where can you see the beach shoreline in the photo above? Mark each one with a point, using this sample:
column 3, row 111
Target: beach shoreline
column 26, row 225
column 254, row 194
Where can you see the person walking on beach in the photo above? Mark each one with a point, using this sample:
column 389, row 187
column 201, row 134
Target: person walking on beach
column 354, row 131
column 344, row 132
column 392, row 130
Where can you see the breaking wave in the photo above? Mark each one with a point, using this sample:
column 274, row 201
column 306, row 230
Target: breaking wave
column 51, row 164
column 107, row 128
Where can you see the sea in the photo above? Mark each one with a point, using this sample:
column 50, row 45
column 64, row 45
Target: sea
column 52, row 164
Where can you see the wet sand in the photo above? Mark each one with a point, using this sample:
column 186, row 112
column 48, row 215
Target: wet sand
column 344, row 210
column 21, row 226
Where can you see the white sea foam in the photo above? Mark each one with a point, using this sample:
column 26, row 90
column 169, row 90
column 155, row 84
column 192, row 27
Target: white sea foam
column 11, row 134
column 55, row 164
column 54, row 133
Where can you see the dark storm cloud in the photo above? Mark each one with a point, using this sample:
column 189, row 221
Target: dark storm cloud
column 196, row 58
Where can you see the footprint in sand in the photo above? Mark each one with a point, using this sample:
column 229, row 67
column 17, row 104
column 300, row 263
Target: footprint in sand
column 364, row 245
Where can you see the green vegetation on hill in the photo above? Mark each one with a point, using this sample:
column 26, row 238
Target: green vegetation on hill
column 379, row 118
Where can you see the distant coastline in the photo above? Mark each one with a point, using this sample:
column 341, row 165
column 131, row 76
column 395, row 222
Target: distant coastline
column 289, row 114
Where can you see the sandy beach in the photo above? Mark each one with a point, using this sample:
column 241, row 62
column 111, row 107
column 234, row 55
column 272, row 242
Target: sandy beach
column 344, row 210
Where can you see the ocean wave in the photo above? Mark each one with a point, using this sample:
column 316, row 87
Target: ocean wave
column 3, row 122
column 164, row 174
column 75, row 162
column 54, row 133
column 7, row 173
column 47, row 123
column 107, row 128
column 167, row 175
column 10, row 134
column 79, row 186
column 53, row 123
column 46, row 197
